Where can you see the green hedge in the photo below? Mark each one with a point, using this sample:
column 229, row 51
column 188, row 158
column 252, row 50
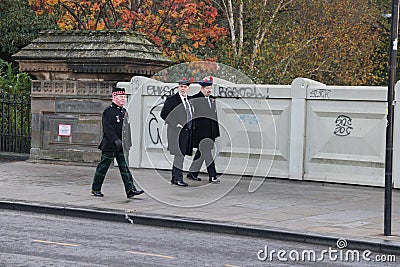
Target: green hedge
column 14, row 81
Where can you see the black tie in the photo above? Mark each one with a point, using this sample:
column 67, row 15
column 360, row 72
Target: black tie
column 188, row 113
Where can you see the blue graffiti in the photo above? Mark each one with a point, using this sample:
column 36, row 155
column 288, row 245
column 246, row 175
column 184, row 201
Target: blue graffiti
column 249, row 118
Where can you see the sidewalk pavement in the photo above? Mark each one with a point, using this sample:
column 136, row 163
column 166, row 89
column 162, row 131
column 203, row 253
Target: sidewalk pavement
column 308, row 212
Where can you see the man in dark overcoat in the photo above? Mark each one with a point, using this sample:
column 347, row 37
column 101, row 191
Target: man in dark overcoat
column 205, row 132
column 115, row 143
column 177, row 113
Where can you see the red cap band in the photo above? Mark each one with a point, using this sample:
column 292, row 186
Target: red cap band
column 118, row 93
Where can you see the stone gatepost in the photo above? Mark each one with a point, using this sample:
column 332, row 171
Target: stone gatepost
column 75, row 72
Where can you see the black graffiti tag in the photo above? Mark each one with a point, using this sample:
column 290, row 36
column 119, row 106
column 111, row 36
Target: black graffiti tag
column 153, row 121
column 160, row 90
column 320, row 93
column 343, row 125
column 239, row 92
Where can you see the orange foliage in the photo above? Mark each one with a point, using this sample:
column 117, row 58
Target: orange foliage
column 180, row 27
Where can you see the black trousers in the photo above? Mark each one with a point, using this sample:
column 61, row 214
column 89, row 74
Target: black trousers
column 201, row 156
column 177, row 168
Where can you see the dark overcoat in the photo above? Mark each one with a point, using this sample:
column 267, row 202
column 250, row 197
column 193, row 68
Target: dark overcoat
column 115, row 123
column 179, row 139
column 205, row 119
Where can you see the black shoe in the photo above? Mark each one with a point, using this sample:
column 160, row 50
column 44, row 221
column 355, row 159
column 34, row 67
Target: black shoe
column 134, row 193
column 214, row 180
column 97, row 194
column 173, row 181
column 181, row 183
column 193, row 177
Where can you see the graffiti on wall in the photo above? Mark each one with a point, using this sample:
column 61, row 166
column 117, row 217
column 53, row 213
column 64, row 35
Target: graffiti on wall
column 220, row 91
column 250, row 119
column 320, row 93
column 237, row 92
column 153, row 122
column 249, row 91
column 162, row 90
column 343, row 126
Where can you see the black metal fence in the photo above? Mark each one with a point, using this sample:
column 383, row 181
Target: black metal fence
column 15, row 119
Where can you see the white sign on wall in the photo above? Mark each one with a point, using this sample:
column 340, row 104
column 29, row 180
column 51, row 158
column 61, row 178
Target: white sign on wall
column 64, row 129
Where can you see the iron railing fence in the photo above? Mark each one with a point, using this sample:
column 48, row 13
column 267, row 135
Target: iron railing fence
column 15, row 119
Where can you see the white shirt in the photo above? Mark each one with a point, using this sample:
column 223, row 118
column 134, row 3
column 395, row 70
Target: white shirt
column 187, row 101
column 208, row 100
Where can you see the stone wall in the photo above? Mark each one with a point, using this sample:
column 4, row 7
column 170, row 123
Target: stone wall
column 75, row 72
column 66, row 119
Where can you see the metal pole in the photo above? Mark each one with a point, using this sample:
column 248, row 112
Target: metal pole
column 394, row 29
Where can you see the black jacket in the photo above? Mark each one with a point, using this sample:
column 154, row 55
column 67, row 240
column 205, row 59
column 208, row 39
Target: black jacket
column 115, row 123
column 179, row 139
column 205, row 119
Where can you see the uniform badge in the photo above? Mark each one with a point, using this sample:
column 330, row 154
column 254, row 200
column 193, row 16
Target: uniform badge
column 118, row 120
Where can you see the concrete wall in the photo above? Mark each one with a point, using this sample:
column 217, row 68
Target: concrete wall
column 304, row 131
column 345, row 134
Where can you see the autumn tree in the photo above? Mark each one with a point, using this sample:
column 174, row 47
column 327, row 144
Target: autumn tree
column 186, row 30
column 276, row 41
column 336, row 44
column 249, row 25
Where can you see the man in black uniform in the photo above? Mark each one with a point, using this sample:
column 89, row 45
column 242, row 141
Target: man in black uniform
column 115, row 120
column 177, row 113
column 205, row 132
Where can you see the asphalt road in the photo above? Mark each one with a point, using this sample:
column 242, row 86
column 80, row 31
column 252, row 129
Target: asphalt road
column 32, row 239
